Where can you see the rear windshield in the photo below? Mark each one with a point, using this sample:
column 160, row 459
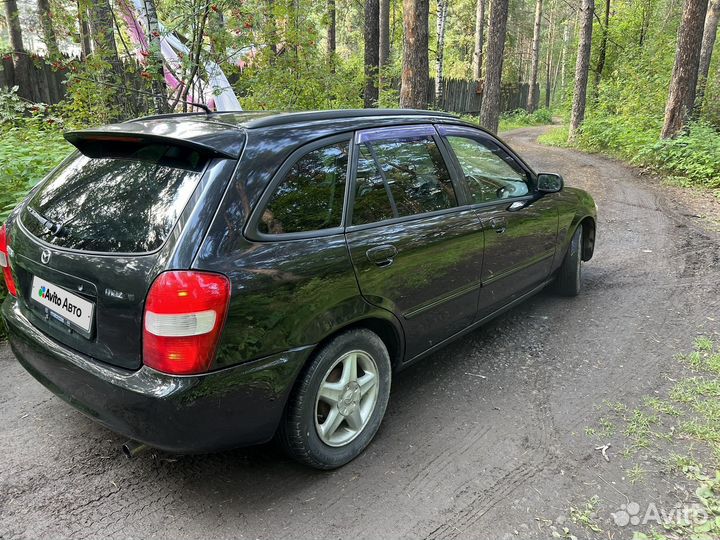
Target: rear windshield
column 126, row 203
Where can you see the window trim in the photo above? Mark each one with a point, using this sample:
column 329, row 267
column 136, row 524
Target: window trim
column 252, row 232
column 480, row 136
column 373, row 134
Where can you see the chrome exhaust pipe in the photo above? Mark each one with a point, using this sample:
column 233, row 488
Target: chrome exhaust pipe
column 133, row 448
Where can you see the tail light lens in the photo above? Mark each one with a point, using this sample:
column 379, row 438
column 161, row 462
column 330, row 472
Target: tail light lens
column 5, row 262
column 184, row 316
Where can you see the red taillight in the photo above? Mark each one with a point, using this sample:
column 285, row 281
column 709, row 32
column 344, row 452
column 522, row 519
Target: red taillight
column 5, row 262
column 184, row 315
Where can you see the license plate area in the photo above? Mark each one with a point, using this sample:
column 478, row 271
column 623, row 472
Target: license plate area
column 62, row 306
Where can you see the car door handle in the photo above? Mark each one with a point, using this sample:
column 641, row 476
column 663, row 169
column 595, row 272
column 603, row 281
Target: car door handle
column 498, row 223
column 382, row 255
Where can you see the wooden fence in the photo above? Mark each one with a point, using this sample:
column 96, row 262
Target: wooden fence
column 465, row 97
column 47, row 85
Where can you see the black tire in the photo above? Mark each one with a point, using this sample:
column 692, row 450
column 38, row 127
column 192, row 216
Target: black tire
column 298, row 432
column 569, row 277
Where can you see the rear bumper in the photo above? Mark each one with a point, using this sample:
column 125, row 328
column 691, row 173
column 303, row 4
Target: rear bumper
column 237, row 406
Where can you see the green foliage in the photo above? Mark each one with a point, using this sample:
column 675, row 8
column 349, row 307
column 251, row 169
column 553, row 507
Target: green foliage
column 555, row 137
column 300, row 81
column 694, row 156
column 27, row 153
column 625, row 112
column 519, row 118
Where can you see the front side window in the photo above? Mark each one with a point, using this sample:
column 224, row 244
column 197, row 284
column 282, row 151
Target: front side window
column 310, row 197
column 401, row 177
column 488, row 174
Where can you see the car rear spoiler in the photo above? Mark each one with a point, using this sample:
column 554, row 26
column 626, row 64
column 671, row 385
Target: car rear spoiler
column 99, row 143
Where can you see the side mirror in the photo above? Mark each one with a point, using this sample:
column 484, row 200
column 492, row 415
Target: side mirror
column 549, row 182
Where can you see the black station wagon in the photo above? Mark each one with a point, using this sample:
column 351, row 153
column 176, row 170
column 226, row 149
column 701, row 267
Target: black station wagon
column 206, row 281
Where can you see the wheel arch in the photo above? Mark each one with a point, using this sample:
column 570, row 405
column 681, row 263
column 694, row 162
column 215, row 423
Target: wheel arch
column 386, row 327
column 588, row 237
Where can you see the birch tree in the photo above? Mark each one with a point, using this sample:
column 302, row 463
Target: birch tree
column 441, row 20
column 155, row 59
column 479, row 39
column 533, row 89
column 384, row 57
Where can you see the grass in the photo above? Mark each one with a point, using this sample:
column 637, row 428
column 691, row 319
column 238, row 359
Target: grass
column 689, row 160
column 586, row 515
column 518, row 119
column 679, row 429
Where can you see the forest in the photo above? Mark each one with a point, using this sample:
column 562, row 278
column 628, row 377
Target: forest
column 635, row 79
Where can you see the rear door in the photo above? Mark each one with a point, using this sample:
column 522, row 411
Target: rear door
column 416, row 250
column 92, row 238
column 520, row 226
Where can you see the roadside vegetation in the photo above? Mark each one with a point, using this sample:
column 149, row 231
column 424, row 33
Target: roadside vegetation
column 628, row 103
column 676, row 433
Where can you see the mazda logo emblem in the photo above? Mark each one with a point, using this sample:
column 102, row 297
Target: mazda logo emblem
column 45, row 257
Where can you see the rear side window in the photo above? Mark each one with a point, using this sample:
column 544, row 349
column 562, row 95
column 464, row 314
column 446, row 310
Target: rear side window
column 310, row 196
column 123, row 204
column 401, row 177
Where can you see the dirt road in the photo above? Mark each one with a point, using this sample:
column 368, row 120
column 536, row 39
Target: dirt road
column 485, row 439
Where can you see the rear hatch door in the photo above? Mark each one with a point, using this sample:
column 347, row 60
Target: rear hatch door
column 89, row 241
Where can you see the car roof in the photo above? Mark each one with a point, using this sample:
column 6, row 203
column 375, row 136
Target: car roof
column 218, row 132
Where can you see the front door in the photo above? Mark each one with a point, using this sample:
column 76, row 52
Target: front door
column 414, row 250
column 520, row 227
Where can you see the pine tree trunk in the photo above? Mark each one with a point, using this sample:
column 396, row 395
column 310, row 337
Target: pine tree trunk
column 602, row 54
column 708, row 44
column 479, row 39
column 102, row 33
column 372, row 52
column 441, row 20
column 416, row 68
column 46, row 24
column 20, row 58
column 384, row 33
column 582, row 67
column 331, row 31
column 533, row 97
column 490, row 107
column 681, row 97
column 84, row 29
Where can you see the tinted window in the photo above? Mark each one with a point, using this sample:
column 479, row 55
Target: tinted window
column 487, row 171
column 127, row 204
column 311, row 195
column 371, row 191
column 401, row 177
